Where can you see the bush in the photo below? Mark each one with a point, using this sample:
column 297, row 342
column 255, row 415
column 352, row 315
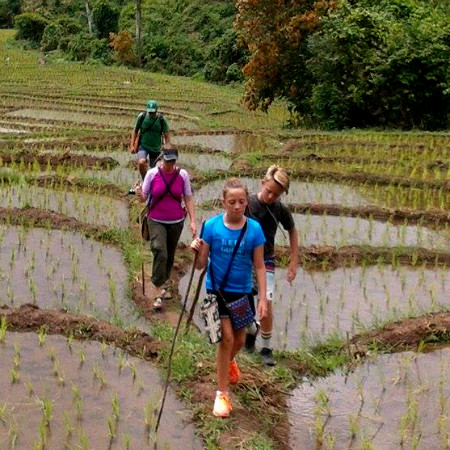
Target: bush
column 8, row 10
column 30, row 26
column 381, row 64
column 53, row 33
column 83, row 47
column 122, row 44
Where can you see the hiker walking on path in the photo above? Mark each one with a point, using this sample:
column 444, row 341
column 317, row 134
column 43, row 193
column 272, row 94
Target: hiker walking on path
column 150, row 132
column 269, row 211
column 233, row 244
column 165, row 187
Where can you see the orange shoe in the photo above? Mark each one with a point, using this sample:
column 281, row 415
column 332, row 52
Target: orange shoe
column 234, row 374
column 222, row 405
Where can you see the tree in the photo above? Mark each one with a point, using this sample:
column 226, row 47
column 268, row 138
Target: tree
column 105, row 16
column 275, row 31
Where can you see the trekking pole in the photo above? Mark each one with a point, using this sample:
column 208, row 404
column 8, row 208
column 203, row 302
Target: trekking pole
column 173, row 342
column 142, row 256
column 194, row 301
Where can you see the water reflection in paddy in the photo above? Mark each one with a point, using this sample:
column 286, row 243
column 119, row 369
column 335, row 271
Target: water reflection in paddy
column 397, row 401
column 318, row 304
column 88, row 208
column 82, row 383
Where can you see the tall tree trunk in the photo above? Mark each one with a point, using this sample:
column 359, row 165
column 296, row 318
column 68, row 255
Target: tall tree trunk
column 139, row 32
column 89, row 18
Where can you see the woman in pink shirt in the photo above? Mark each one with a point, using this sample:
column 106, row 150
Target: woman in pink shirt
column 165, row 187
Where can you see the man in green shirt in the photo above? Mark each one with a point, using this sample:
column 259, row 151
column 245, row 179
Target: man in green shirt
column 149, row 133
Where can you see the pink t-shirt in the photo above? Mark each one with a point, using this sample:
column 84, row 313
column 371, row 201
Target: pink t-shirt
column 169, row 209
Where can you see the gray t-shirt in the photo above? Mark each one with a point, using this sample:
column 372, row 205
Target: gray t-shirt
column 269, row 216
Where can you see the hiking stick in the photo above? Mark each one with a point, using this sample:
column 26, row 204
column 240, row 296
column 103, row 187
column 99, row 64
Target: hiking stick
column 173, row 342
column 195, row 300
column 142, row 256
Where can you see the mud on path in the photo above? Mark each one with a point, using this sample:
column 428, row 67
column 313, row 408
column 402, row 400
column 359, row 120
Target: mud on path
column 31, row 318
column 55, row 160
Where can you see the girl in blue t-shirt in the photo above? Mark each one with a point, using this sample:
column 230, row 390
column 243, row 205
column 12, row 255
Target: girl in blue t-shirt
column 219, row 238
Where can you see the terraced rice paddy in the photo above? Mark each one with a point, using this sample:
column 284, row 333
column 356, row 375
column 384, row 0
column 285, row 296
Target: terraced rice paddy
column 377, row 201
column 59, row 393
column 396, row 401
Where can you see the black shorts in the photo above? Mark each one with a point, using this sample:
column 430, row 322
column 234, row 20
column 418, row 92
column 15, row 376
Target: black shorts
column 230, row 297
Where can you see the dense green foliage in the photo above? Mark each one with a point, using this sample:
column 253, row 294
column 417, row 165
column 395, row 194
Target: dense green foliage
column 354, row 63
column 381, row 63
column 178, row 37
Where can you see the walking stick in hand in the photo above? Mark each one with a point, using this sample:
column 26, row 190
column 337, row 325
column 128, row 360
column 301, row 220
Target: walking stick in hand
column 186, row 296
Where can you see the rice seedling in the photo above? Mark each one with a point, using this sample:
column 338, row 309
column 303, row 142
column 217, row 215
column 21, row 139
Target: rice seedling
column 3, row 328
column 15, row 375
column 13, row 433
column 42, row 335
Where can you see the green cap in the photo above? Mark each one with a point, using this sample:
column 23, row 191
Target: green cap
column 152, row 106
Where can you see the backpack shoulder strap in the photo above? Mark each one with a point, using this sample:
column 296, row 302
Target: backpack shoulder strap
column 168, row 186
column 140, row 119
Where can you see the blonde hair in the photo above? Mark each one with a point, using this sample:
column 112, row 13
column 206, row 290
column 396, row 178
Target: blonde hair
column 234, row 183
column 279, row 175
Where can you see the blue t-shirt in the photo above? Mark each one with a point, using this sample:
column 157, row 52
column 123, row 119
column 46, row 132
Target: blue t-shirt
column 221, row 241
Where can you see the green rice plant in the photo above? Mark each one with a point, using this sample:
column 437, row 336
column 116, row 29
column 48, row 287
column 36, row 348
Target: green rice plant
column 16, row 358
column 81, row 356
column 126, row 439
column 14, row 375
column 68, row 424
column 13, row 433
column 3, row 412
column 103, row 347
column 115, row 406
column 3, row 327
column 99, row 375
column 112, row 428
column 42, row 335
column 84, row 442
column 30, row 388
column 46, row 406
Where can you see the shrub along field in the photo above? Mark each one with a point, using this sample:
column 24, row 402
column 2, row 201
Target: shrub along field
column 372, row 211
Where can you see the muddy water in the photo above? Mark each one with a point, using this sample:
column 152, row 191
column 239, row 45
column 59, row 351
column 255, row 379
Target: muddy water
column 396, row 401
column 322, row 303
column 81, row 395
column 231, row 143
column 88, row 208
column 60, row 269
column 343, row 231
column 126, row 175
column 299, row 192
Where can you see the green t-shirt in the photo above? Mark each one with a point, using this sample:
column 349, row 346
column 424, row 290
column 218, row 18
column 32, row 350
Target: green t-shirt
column 152, row 129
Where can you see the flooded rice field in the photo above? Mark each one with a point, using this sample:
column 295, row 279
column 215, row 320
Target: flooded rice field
column 319, row 304
column 88, row 208
column 344, row 231
column 230, row 143
column 59, row 269
column 299, row 192
column 397, row 401
column 56, row 393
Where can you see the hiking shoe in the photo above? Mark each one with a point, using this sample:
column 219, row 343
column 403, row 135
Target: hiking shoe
column 222, row 405
column 132, row 191
column 234, row 374
column 157, row 304
column 250, row 340
column 267, row 356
